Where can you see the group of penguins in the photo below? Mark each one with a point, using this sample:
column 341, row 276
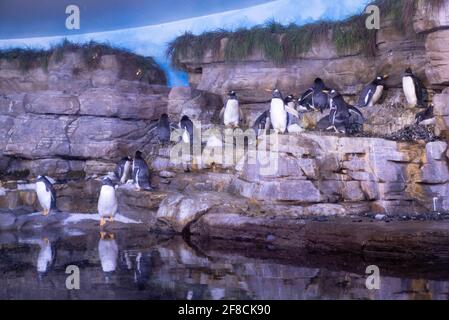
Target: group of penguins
column 136, row 168
column 283, row 116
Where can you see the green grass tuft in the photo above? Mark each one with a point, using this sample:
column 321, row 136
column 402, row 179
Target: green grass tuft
column 134, row 66
column 280, row 43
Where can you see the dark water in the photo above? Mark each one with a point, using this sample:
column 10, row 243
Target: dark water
column 138, row 265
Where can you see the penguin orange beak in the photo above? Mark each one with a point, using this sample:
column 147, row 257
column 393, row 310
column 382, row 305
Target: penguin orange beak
column 326, row 91
column 386, row 76
column 269, row 90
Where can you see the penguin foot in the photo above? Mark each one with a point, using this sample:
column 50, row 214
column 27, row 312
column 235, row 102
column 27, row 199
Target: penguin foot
column 103, row 235
column 111, row 219
column 45, row 213
column 102, row 222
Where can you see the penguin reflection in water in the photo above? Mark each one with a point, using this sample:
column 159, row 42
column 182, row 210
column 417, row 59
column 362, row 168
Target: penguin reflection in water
column 107, row 202
column 141, row 173
column 343, row 118
column 46, row 194
column 108, row 252
column 231, row 114
column 46, row 256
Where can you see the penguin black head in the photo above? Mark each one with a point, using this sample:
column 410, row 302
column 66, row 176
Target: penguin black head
column 107, row 182
column 277, row 94
column 319, row 84
column 138, row 155
column 232, row 94
column 380, row 80
column 185, row 118
column 289, row 99
column 164, row 119
column 128, row 158
column 408, row 72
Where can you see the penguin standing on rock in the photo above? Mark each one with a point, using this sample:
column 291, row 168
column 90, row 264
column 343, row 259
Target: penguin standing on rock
column 315, row 97
column 107, row 202
column 162, row 128
column 414, row 91
column 293, row 117
column 262, row 123
column 46, row 194
column 278, row 114
column 372, row 93
column 141, row 173
column 231, row 112
column 343, row 118
column 186, row 126
column 123, row 169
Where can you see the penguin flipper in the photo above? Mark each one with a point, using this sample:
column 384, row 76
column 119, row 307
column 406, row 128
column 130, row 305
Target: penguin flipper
column 241, row 117
column 222, row 114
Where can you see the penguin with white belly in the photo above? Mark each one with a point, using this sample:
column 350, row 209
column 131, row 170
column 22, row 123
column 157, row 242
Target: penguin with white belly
column 186, row 125
column 107, row 202
column 123, row 169
column 293, row 116
column 45, row 258
column 414, row 91
column 141, row 173
column 315, row 97
column 46, row 194
column 278, row 114
column 372, row 93
column 231, row 114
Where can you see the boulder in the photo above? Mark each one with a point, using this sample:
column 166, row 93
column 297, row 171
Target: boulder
column 179, row 210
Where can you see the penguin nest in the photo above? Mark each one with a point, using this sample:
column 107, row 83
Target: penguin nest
column 414, row 133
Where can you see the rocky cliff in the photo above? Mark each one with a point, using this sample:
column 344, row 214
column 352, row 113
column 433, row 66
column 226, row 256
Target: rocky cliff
column 79, row 112
column 74, row 119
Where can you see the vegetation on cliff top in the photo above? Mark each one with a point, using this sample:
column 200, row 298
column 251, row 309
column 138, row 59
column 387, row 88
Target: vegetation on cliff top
column 91, row 52
column 280, row 43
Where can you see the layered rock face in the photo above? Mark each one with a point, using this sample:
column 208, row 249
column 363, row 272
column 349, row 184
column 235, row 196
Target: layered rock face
column 73, row 120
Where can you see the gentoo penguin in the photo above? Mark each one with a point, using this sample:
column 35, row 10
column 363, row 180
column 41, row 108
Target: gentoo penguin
column 108, row 252
column 231, row 112
column 107, row 202
column 262, row 123
column 293, row 117
column 425, row 117
column 141, row 173
column 162, row 128
column 123, row 169
column 413, row 89
column 343, row 117
column 372, row 93
column 46, row 194
column 186, row 125
column 315, row 97
column 278, row 114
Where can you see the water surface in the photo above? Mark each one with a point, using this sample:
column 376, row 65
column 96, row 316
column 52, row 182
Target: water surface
column 140, row 265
